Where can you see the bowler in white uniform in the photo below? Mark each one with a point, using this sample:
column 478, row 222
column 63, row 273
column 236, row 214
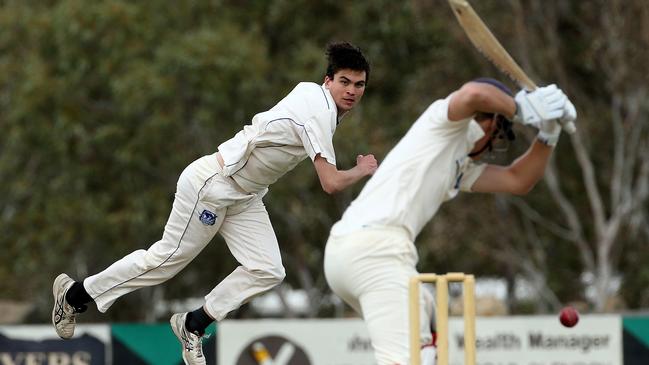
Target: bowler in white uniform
column 370, row 254
column 223, row 192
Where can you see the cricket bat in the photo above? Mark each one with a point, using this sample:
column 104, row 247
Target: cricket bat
column 488, row 45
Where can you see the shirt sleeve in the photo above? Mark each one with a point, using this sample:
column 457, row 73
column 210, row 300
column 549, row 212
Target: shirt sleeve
column 437, row 116
column 440, row 109
column 470, row 175
column 317, row 137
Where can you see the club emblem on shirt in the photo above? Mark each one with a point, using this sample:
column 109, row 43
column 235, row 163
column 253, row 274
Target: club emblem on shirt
column 208, row 218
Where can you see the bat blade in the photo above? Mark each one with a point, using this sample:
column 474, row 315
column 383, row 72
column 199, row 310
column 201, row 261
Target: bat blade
column 487, row 44
column 490, row 47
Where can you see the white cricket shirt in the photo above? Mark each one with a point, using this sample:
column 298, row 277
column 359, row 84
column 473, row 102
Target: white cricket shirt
column 300, row 125
column 427, row 167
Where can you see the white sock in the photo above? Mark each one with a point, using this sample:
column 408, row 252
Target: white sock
column 428, row 355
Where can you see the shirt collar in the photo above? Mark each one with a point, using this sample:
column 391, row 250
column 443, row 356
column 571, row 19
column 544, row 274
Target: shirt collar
column 332, row 104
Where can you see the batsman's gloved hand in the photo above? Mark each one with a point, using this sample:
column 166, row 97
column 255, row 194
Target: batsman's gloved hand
column 549, row 130
column 543, row 104
column 568, row 118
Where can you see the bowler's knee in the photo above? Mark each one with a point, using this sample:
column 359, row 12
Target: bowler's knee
column 271, row 276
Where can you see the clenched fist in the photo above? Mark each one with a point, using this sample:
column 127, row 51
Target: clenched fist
column 367, row 164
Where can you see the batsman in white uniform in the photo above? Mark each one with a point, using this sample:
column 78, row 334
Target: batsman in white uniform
column 370, row 254
column 223, row 192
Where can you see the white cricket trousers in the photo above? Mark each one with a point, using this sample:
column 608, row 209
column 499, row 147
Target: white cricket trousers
column 205, row 203
column 370, row 270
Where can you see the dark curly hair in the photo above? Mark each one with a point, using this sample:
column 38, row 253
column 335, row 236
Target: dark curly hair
column 344, row 55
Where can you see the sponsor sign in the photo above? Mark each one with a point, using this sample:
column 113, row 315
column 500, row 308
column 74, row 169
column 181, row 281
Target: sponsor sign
column 39, row 345
column 519, row 340
column 294, row 342
column 540, row 340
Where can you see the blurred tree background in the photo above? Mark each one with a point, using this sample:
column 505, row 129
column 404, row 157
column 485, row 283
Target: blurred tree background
column 103, row 103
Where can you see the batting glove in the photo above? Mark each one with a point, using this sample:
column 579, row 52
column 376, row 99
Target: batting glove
column 568, row 118
column 543, row 104
column 549, row 131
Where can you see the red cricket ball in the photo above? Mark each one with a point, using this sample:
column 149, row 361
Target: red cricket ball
column 569, row 316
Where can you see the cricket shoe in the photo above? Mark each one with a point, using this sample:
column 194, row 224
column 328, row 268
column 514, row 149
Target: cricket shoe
column 192, row 344
column 63, row 314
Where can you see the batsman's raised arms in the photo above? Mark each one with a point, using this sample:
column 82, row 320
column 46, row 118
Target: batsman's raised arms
column 490, row 47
